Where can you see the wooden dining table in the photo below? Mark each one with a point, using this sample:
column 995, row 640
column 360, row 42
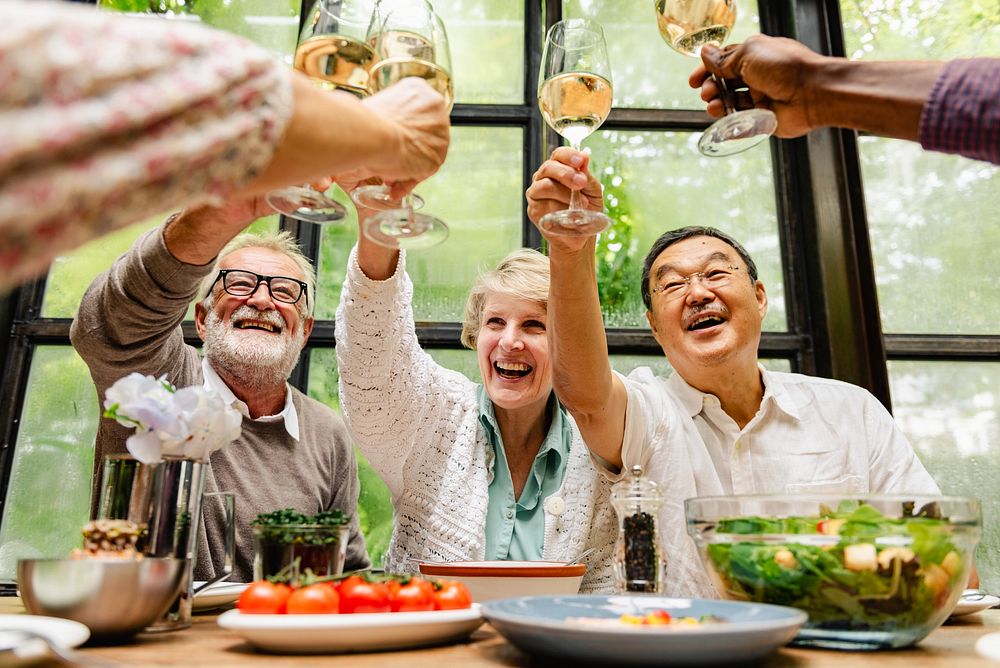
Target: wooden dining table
column 205, row 643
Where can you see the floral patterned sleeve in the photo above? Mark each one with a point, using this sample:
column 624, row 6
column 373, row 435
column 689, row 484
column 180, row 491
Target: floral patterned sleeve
column 106, row 120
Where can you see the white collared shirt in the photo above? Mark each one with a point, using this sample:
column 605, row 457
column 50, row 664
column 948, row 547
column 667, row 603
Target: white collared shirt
column 810, row 435
column 288, row 414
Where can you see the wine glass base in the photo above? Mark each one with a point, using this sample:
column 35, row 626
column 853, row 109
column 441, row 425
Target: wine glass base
column 737, row 132
column 307, row 205
column 574, row 223
column 401, row 228
column 377, row 198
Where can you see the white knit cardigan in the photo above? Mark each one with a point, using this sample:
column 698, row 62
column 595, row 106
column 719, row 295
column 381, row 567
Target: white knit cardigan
column 418, row 424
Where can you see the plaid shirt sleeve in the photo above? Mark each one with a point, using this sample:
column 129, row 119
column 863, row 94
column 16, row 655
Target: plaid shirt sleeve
column 962, row 114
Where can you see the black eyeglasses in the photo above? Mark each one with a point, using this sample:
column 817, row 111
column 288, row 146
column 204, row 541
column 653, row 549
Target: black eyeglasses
column 242, row 283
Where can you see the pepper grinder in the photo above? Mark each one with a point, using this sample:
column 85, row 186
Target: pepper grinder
column 639, row 562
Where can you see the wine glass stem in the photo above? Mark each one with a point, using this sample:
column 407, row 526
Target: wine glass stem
column 576, row 198
column 407, row 203
column 728, row 104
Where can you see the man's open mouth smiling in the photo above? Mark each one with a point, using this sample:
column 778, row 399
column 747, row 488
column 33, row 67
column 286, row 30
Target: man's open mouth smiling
column 252, row 323
column 512, row 370
column 705, row 321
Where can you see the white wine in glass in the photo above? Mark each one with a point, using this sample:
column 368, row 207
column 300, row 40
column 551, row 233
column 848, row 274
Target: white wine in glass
column 336, row 62
column 407, row 54
column 575, row 104
column 575, row 99
column 688, row 25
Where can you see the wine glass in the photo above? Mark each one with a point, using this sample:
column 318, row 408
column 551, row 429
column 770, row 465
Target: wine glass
column 688, row 25
column 575, row 98
column 334, row 54
column 410, row 41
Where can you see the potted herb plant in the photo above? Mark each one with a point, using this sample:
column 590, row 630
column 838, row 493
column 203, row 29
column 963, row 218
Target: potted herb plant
column 289, row 543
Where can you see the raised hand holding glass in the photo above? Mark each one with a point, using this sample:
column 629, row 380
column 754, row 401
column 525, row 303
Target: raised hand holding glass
column 688, row 25
column 574, row 97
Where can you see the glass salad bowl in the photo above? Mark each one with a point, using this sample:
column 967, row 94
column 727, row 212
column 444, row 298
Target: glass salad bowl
column 872, row 572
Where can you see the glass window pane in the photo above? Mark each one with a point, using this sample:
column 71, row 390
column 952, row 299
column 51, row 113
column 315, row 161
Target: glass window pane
column 934, row 257
column 925, row 30
column 273, row 24
column 48, row 499
column 478, row 194
column 487, row 49
column 70, row 275
column 949, row 411
column 934, row 247
column 647, row 73
column 657, row 181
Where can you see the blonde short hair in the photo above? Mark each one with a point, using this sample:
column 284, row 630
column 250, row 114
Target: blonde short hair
column 282, row 242
column 523, row 274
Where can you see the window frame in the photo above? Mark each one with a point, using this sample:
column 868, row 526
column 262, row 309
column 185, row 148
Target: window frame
column 834, row 328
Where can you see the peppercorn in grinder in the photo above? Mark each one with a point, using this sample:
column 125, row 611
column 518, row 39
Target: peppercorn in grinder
column 639, row 559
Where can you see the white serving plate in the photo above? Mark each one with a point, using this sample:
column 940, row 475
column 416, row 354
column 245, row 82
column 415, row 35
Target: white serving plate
column 972, row 602
column 63, row 633
column 218, row 595
column 313, row 634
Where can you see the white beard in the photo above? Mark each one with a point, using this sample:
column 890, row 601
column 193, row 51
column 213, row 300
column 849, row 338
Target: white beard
column 258, row 361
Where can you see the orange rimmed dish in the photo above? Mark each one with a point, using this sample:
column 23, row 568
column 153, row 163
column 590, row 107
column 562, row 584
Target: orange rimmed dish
column 488, row 580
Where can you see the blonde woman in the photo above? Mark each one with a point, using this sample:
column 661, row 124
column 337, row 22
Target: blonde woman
column 495, row 470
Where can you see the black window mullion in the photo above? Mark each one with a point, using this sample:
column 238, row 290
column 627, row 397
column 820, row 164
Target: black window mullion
column 942, row 347
column 21, row 306
column 534, row 140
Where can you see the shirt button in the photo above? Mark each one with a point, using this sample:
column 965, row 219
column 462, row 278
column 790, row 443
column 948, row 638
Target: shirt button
column 554, row 505
column 510, row 514
column 737, row 445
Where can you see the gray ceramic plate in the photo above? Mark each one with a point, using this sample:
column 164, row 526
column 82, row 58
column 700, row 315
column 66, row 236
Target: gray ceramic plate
column 549, row 625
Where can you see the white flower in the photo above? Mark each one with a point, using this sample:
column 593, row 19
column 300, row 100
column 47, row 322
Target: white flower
column 192, row 422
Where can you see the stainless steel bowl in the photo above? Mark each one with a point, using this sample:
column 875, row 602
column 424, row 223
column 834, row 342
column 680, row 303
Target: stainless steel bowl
column 113, row 597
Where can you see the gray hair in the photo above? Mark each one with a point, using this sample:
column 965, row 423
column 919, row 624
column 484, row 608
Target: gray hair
column 281, row 242
column 673, row 236
column 523, row 274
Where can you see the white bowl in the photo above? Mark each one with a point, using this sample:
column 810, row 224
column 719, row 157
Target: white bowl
column 488, row 580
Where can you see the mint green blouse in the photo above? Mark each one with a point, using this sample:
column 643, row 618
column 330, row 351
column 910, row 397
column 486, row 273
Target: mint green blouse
column 515, row 528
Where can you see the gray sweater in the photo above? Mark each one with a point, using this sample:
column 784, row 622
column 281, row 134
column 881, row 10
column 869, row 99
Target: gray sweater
column 129, row 320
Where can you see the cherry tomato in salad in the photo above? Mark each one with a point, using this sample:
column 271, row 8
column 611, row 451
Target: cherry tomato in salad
column 417, row 595
column 658, row 617
column 358, row 595
column 452, row 595
column 317, row 599
column 264, row 598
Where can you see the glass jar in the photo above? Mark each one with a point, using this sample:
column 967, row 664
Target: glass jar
column 291, row 549
column 639, row 560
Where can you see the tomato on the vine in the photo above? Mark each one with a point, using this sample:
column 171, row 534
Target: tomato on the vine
column 452, row 595
column 264, row 598
column 415, row 596
column 359, row 595
column 317, row 599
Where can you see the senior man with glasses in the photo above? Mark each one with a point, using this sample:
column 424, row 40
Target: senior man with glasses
column 256, row 295
column 722, row 423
